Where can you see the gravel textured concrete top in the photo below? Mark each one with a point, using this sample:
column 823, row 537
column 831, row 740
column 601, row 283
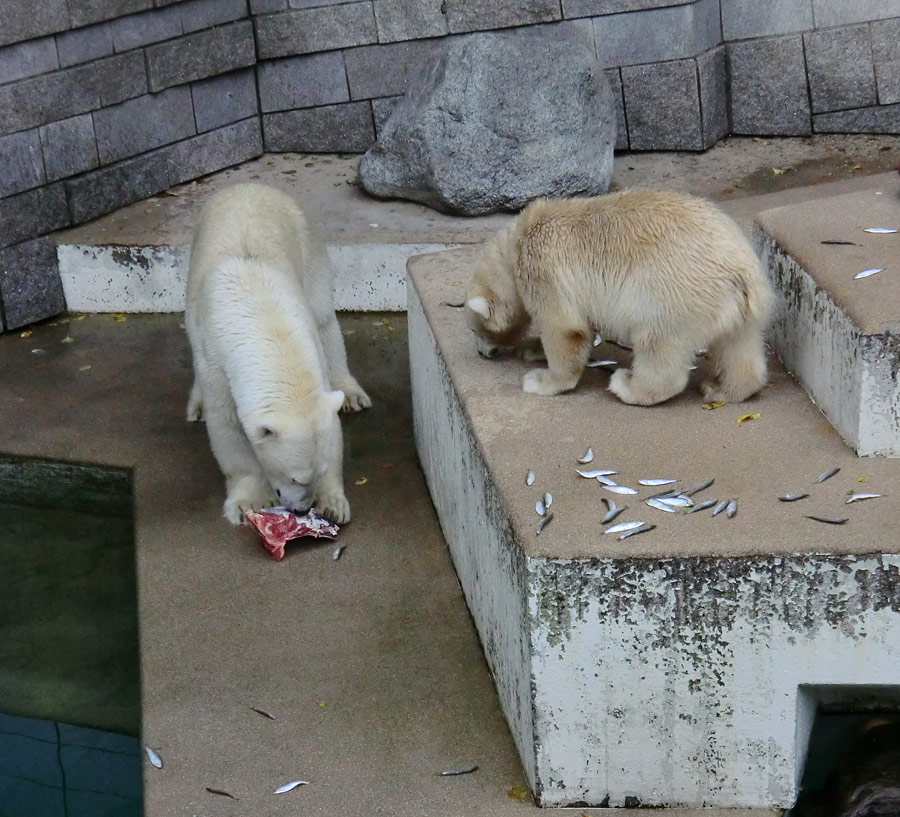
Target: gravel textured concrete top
column 783, row 450
column 872, row 303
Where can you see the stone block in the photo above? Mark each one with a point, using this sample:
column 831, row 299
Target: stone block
column 885, row 35
column 839, row 65
column 317, row 29
column 21, row 163
column 713, row 73
column 25, row 21
column 596, row 8
column 137, row 30
column 200, row 55
column 69, row 147
column 115, row 79
column 199, row 14
column 668, row 86
column 302, row 82
column 28, row 59
column 30, row 287
column 84, row 44
column 85, row 12
column 259, row 7
column 840, row 12
column 32, row 213
column 400, row 20
column 875, row 119
column 218, row 149
column 768, row 87
column 38, row 100
column 122, row 130
column 743, row 19
column 382, row 110
column 481, row 15
column 614, row 77
column 386, row 70
column 657, row 35
column 225, row 99
column 887, row 79
column 329, row 129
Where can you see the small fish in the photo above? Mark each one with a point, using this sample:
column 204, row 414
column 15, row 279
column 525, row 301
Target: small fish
column 540, row 507
column 701, row 487
column 593, row 364
column 603, row 472
column 545, row 520
column 707, row 503
column 612, row 510
column 830, row 520
column 462, row 770
column 659, row 481
column 660, row 505
column 664, row 494
column 860, row 497
column 585, row 458
column 222, row 792
column 155, row 759
column 826, row 475
column 792, row 497
column 548, row 500
column 529, row 478
column 680, row 501
column 620, row 489
column 623, row 526
column 880, row 230
column 636, row 531
column 263, row 712
column 867, row 272
column 731, row 508
column 604, row 480
column 290, row 786
column 337, row 552
column 720, row 507
column 597, row 340
column 838, row 241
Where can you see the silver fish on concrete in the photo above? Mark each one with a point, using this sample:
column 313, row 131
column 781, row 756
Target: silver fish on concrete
column 597, row 340
column 548, row 500
column 593, row 364
column 461, row 770
column 720, row 507
column 601, row 472
column 220, row 792
column 155, row 759
column 336, row 554
column 880, row 230
column 605, row 480
column 540, row 507
column 660, row 505
column 624, row 526
column 612, row 510
column 620, row 489
column 636, row 531
column 657, row 481
column 867, row 272
column 860, row 497
column 545, row 520
column 529, row 478
column 731, row 508
column 587, row 457
column 828, row 520
column 263, row 712
column 826, row 475
column 701, row 487
column 291, row 786
column 707, row 503
column 679, row 501
column 792, row 497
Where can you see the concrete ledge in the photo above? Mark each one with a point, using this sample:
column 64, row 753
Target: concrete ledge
column 836, row 334
column 678, row 668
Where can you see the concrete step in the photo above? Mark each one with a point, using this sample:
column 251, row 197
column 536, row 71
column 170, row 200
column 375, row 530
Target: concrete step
column 838, row 335
column 682, row 667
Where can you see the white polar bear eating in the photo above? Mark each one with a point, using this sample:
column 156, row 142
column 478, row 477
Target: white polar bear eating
column 270, row 368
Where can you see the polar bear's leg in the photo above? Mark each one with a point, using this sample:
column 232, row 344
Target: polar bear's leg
column 567, row 350
column 195, row 403
column 739, row 361
column 330, row 499
column 355, row 398
column 659, row 370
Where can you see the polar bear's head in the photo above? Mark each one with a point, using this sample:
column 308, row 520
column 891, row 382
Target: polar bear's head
column 296, row 448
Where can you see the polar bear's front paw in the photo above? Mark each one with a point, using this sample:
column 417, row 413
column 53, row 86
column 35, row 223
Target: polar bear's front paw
column 334, row 507
column 249, row 494
column 194, row 408
column 355, row 399
column 541, row 381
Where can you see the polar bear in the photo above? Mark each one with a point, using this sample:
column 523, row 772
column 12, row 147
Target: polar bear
column 270, row 368
column 668, row 273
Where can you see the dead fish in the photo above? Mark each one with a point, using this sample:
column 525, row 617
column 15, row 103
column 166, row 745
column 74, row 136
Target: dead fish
column 636, row 531
column 792, row 497
column 838, row 241
column 290, row 786
column 612, row 510
column 880, row 230
column 545, row 520
column 623, row 526
column 263, row 712
column 867, row 272
column 659, row 481
column 860, row 497
column 707, row 503
column 664, row 494
column 221, row 792
column 597, row 340
column 462, row 770
column 593, row 364
column 701, row 487
column 529, row 478
column 585, row 458
column 826, row 475
column 660, row 505
column 620, row 489
column 731, row 508
column 155, row 759
column 337, row 552
column 603, row 472
column 679, row 501
column 548, row 500
column 540, row 507
column 604, row 480
column 828, row 520
column 720, row 507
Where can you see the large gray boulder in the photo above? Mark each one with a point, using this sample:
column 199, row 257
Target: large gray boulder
column 495, row 121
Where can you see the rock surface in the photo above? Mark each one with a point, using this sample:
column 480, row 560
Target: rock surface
column 495, row 121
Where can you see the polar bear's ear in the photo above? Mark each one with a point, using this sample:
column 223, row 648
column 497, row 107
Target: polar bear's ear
column 480, row 306
column 334, row 400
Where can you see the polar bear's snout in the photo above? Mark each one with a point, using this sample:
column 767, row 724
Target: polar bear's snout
column 297, row 498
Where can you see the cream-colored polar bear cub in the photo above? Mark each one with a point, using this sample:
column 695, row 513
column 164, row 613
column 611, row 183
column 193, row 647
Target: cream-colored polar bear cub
column 270, row 368
column 667, row 273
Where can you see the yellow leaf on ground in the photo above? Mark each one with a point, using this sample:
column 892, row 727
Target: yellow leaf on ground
column 27, row 333
column 752, row 416
column 361, row 481
column 118, row 317
column 83, row 368
column 517, row 793
column 862, row 479
column 713, row 405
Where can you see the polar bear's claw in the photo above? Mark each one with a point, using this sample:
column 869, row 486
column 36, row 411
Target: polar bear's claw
column 334, row 507
column 355, row 400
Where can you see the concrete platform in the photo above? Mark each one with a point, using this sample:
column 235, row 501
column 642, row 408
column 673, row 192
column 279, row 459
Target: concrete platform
column 681, row 667
column 839, row 335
